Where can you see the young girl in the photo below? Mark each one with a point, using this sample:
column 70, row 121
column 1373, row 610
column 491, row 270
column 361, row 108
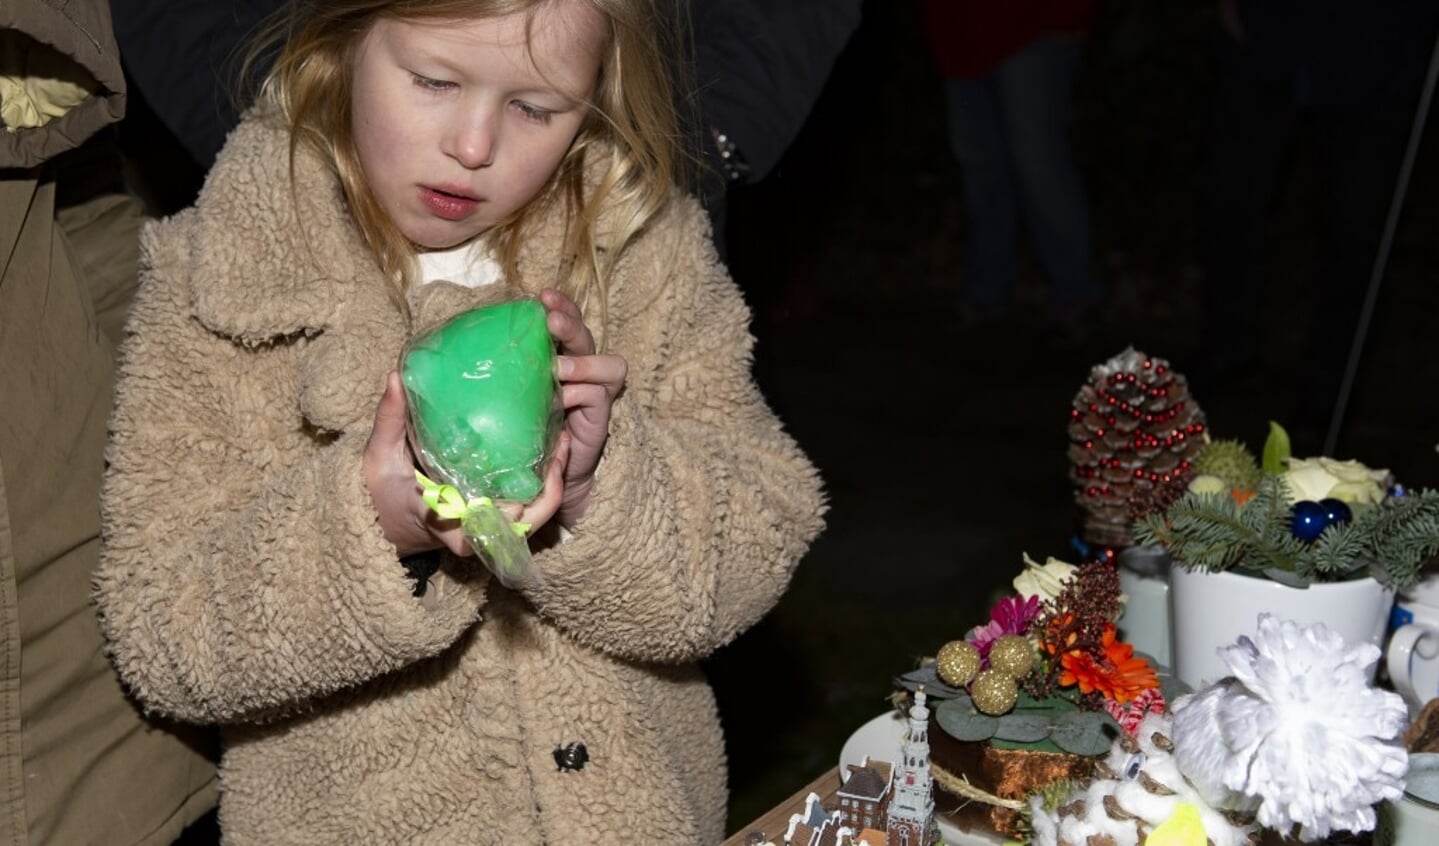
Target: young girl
column 409, row 159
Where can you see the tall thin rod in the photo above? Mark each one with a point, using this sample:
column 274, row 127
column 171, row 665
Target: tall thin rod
column 1381, row 258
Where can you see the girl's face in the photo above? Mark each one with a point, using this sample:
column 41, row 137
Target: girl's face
column 458, row 124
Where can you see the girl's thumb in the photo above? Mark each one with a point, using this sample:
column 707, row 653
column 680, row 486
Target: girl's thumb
column 390, row 414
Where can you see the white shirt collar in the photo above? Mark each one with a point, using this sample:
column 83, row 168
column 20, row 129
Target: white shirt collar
column 469, row 264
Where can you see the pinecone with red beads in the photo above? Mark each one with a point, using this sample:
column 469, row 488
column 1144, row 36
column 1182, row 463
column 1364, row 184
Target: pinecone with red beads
column 1134, row 431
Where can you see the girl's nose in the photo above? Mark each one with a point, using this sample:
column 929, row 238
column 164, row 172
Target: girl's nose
column 472, row 143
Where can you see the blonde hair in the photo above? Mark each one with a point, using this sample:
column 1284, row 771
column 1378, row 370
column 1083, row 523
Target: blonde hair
column 628, row 146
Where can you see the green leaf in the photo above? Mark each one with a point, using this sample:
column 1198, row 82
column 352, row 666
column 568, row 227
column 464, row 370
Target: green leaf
column 1022, row 728
column 934, row 687
column 1084, row 733
column 1276, row 449
column 1050, row 705
column 1035, row 746
column 959, row 718
column 1286, row 578
column 1172, row 687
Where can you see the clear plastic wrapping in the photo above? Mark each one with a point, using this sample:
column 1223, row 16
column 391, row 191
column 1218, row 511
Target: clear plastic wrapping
column 484, row 415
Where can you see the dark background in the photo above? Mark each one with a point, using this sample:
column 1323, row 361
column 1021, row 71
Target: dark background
column 943, row 447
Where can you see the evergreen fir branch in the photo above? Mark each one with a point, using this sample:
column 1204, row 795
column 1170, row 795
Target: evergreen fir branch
column 1391, row 540
column 1335, row 555
column 1212, row 532
column 1401, row 534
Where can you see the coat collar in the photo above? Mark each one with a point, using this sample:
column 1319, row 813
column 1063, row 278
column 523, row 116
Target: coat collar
column 269, row 261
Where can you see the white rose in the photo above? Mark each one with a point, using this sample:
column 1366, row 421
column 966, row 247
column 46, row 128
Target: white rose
column 1044, row 581
column 1320, row 478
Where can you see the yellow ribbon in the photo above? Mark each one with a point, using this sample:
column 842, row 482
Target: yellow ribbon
column 449, row 504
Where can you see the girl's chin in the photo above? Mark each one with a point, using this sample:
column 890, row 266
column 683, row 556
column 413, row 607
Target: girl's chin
column 433, row 242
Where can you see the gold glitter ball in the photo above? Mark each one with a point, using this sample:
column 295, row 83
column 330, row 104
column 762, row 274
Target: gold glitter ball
column 994, row 692
column 956, row 663
column 1012, row 654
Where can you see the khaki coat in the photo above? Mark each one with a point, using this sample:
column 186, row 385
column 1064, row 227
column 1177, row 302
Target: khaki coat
column 246, row 581
column 79, row 764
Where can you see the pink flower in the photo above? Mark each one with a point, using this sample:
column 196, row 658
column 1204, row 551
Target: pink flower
column 1011, row 615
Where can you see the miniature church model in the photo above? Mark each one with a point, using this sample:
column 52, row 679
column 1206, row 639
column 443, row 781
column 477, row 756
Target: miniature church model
column 911, row 803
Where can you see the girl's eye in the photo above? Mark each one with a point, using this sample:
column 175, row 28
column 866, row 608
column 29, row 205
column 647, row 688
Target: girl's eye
column 534, row 113
column 1133, row 766
column 429, row 84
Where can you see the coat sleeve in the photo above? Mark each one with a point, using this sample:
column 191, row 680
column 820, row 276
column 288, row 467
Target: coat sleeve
column 244, row 572
column 703, row 505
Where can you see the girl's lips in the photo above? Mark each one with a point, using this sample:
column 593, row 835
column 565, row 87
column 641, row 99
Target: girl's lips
column 446, row 205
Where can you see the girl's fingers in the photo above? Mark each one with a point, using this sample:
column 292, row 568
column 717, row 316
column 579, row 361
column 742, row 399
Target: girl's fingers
column 566, row 324
column 450, row 536
column 544, row 507
column 609, row 371
column 590, row 401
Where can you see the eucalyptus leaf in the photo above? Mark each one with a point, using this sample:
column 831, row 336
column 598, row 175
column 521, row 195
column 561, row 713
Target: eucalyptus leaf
column 1088, row 718
column 1172, row 687
column 1084, row 733
column 1052, row 705
column 1023, row 728
column 1035, row 746
column 1169, row 684
column 934, row 687
column 961, row 721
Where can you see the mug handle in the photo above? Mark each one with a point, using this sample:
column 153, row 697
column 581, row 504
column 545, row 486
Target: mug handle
column 1407, row 640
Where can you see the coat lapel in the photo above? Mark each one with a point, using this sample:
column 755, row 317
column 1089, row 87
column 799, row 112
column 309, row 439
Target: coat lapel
column 271, row 265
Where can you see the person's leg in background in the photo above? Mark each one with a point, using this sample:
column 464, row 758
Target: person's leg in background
column 991, row 201
column 1035, row 90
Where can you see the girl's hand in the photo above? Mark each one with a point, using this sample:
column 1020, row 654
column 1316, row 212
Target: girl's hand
column 389, row 467
column 589, row 384
column 408, row 523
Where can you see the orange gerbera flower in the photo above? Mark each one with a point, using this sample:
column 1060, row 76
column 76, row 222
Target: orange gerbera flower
column 1117, row 675
column 1059, row 635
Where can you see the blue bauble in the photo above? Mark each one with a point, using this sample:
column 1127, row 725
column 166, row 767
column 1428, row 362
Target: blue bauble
column 1336, row 512
column 1308, row 520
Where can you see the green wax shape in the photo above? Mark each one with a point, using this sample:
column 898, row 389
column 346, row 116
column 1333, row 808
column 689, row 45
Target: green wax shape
column 483, row 407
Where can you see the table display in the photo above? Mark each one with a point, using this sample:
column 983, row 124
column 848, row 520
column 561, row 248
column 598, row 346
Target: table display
column 1044, row 725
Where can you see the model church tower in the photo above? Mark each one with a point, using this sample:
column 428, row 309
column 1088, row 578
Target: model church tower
column 911, row 806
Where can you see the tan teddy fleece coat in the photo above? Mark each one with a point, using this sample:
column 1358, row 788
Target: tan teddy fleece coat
column 246, row 581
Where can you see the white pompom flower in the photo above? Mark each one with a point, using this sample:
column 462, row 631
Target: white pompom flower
column 1298, row 733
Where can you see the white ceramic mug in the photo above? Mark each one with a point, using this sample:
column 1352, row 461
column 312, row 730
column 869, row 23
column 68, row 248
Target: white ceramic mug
column 1414, row 819
column 1209, row 611
column 1412, row 656
column 1145, row 620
